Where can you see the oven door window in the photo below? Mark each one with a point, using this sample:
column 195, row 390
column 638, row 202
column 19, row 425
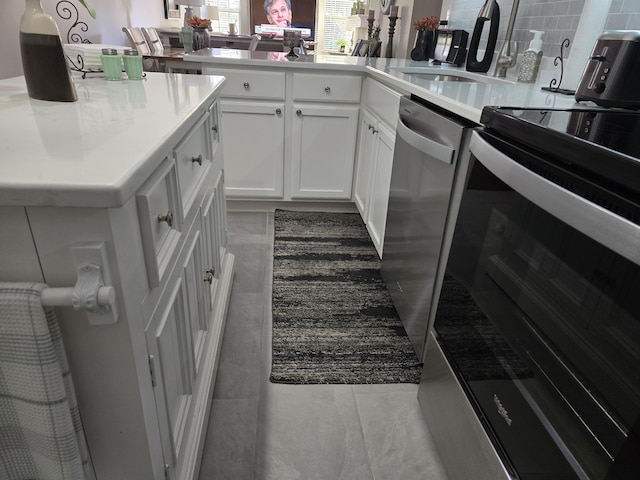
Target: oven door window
column 541, row 325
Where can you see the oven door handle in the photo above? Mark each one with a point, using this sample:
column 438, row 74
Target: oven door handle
column 605, row 227
column 436, row 150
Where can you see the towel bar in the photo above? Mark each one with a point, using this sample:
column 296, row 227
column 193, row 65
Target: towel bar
column 90, row 292
column 63, row 297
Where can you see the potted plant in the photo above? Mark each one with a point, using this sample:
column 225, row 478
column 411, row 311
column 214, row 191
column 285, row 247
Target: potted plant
column 342, row 43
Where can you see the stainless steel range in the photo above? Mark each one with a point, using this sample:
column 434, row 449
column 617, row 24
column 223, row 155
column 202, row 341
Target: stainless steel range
column 532, row 369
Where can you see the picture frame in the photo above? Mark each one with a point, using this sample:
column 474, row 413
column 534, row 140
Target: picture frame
column 362, row 48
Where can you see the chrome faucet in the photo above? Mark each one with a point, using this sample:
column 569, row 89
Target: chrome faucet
column 508, row 55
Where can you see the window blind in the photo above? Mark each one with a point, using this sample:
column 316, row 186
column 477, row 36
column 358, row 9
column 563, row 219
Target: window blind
column 335, row 23
column 228, row 12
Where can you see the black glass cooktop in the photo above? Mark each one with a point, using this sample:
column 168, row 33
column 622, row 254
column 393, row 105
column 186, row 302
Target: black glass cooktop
column 603, row 142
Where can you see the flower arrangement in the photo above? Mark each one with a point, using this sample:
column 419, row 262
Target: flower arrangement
column 426, row 23
column 197, row 22
column 375, row 34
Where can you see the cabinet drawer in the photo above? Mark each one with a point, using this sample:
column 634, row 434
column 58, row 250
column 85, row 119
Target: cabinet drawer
column 381, row 100
column 193, row 159
column 252, row 84
column 326, row 88
column 160, row 220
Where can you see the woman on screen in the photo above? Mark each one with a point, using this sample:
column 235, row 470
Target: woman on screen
column 278, row 12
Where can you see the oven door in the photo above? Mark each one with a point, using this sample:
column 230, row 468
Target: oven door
column 539, row 315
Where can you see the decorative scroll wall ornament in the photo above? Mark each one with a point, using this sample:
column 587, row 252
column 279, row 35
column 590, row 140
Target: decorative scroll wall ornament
column 554, row 85
column 67, row 10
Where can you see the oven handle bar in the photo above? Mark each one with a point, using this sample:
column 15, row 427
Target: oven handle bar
column 425, row 145
column 608, row 229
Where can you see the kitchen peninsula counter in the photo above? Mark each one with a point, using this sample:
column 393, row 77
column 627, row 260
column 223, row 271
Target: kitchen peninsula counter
column 464, row 98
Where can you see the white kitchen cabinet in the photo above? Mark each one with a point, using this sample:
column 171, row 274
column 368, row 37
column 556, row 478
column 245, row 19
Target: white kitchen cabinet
column 253, row 129
column 323, row 145
column 380, row 182
column 376, row 140
column 289, row 135
column 153, row 203
column 253, row 135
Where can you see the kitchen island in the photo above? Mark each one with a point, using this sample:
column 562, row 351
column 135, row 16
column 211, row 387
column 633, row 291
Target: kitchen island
column 126, row 181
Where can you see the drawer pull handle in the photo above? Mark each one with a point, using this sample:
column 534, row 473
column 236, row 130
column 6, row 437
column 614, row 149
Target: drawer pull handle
column 215, row 128
column 166, row 218
column 374, row 130
column 278, row 111
column 327, row 89
column 370, row 127
column 197, row 159
column 208, row 277
column 299, row 112
column 246, row 85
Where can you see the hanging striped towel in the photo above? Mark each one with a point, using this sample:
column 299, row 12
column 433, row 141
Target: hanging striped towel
column 41, row 434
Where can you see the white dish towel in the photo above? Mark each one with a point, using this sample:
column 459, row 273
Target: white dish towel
column 42, row 434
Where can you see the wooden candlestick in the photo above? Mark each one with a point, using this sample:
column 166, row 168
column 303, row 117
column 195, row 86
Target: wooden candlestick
column 392, row 29
column 370, row 28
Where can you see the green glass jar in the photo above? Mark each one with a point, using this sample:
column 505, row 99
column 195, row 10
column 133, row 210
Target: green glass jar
column 111, row 64
column 132, row 64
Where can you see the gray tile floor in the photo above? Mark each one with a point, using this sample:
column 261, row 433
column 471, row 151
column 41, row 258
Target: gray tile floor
column 259, row 430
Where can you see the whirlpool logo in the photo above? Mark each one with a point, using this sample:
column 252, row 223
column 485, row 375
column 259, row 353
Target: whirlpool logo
column 501, row 410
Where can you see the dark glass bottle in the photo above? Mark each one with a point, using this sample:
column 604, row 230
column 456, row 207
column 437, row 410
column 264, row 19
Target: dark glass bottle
column 43, row 61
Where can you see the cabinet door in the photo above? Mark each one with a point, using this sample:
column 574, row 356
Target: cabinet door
column 253, row 146
column 365, row 163
column 379, row 201
column 323, row 143
column 169, row 348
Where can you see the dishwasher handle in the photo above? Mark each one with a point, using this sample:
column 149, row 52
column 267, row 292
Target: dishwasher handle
column 430, row 147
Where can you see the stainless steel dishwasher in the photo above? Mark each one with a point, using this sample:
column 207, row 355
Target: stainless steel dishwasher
column 430, row 154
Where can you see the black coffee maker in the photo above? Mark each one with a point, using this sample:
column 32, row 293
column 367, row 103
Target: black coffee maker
column 490, row 12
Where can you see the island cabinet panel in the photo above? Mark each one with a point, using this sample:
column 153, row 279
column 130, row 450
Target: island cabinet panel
column 144, row 383
column 15, row 237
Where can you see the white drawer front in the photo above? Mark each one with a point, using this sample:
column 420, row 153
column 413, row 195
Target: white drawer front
column 381, row 100
column 326, row 88
column 252, row 84
column 193, row 159
column 160, row 217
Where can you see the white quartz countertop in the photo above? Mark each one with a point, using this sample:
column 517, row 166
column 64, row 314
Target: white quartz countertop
column 464, row 98
column 98, row 151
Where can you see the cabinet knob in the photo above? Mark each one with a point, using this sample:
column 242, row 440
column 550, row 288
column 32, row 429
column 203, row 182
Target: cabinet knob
column 299, row 112
column 215, row 128
column 246, row 85
column 370, row 127
column 374, row 130
column 166, row 218
column 278, row 111
column 197, row 159
column 208, row 275
column 327, row 89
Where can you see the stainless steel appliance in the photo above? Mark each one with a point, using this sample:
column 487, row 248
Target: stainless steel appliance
column 533, row 365
column 431, row 147
column 612, row 74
